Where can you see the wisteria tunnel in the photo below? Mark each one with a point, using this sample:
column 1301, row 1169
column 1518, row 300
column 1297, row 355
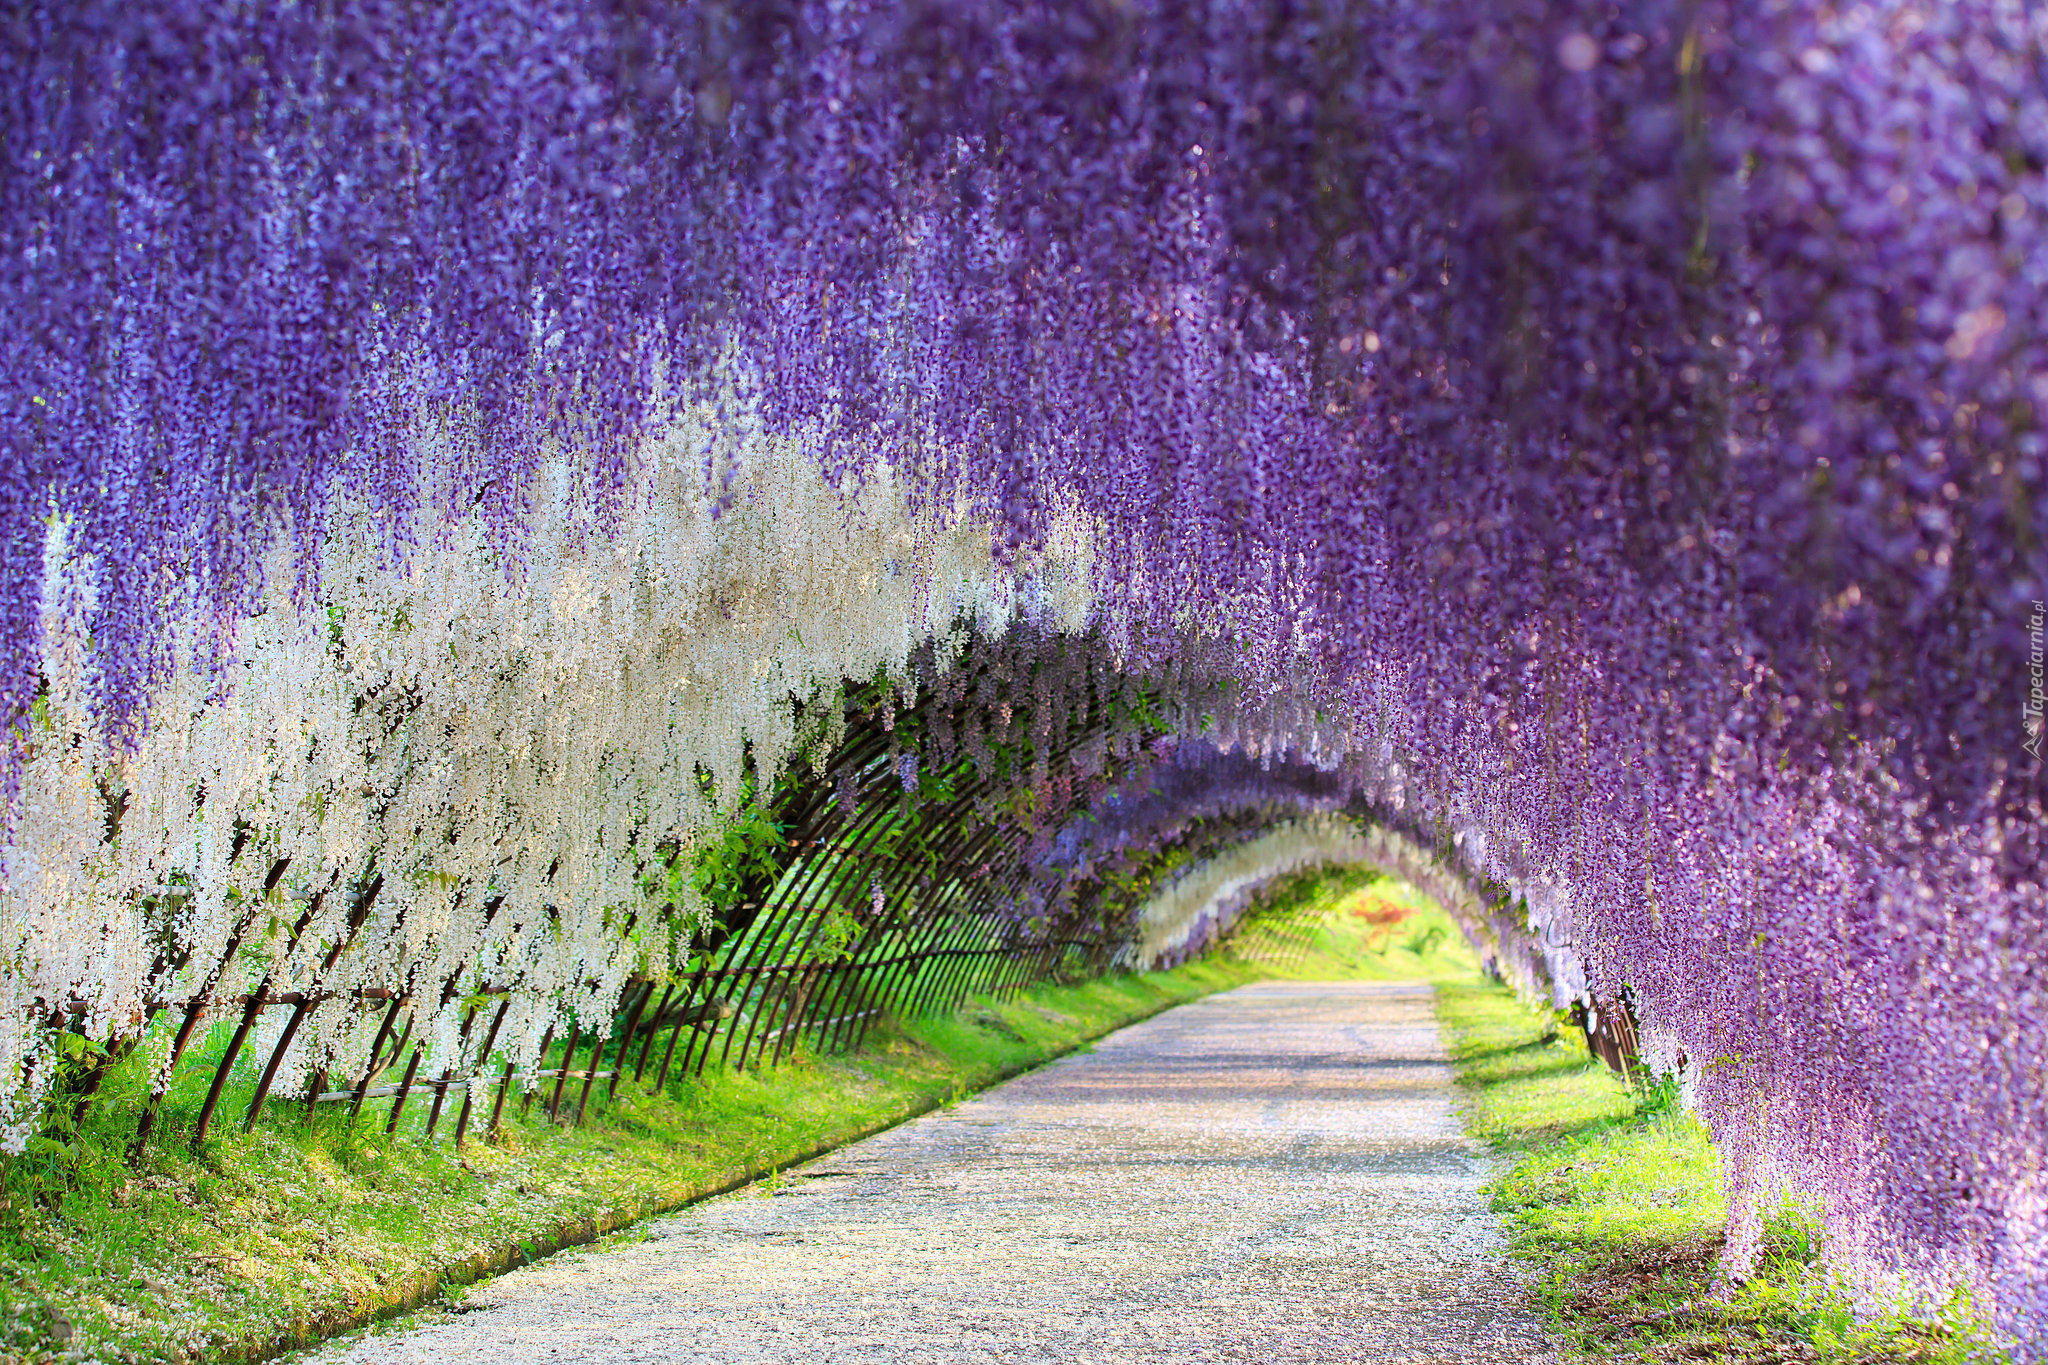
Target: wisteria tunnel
column 548, row 547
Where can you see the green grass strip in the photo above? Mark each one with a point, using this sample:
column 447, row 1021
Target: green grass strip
column 302, row 1230
column 269, row 1240
column 1613, row 1197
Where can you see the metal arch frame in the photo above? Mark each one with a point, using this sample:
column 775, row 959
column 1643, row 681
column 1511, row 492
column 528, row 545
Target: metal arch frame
column 870, row 827
column 852, row 971
column 949, row 871
column 844, row 873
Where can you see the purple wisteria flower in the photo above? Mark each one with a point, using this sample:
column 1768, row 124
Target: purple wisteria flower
column 1625, row 419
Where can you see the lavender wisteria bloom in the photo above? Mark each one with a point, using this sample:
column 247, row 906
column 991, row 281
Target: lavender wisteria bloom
column 1617, row 425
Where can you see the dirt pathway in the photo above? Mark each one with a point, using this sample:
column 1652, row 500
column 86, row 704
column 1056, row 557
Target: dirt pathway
column 1274, row 1175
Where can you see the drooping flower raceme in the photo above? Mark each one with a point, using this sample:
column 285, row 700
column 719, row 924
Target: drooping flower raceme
column 504, row 745
column 1615, row 427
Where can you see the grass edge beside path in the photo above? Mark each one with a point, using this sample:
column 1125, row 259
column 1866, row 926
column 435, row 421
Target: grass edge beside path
column 1612, row 1197
column 266, row 1242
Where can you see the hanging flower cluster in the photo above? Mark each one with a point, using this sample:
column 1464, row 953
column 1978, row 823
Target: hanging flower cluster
column 504, row 751
column 1204, row 903
column 1617, row 424
column 1144, row 841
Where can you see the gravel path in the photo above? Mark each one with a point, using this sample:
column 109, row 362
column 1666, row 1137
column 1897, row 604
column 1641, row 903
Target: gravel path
column 1275, row 1174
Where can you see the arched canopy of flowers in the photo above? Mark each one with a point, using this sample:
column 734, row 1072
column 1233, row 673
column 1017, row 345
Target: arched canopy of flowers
column 1615, row 427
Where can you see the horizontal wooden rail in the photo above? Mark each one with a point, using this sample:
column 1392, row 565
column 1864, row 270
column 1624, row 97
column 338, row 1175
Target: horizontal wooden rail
column 381, row 1092
column 819, row 1023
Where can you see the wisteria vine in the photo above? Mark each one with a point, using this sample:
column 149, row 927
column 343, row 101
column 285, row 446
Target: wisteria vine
column 1610, row 432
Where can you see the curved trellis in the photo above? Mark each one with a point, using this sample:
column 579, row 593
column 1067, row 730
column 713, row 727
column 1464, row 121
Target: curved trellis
column 1527, row 391
column 901, row 873
column 1003, row 815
